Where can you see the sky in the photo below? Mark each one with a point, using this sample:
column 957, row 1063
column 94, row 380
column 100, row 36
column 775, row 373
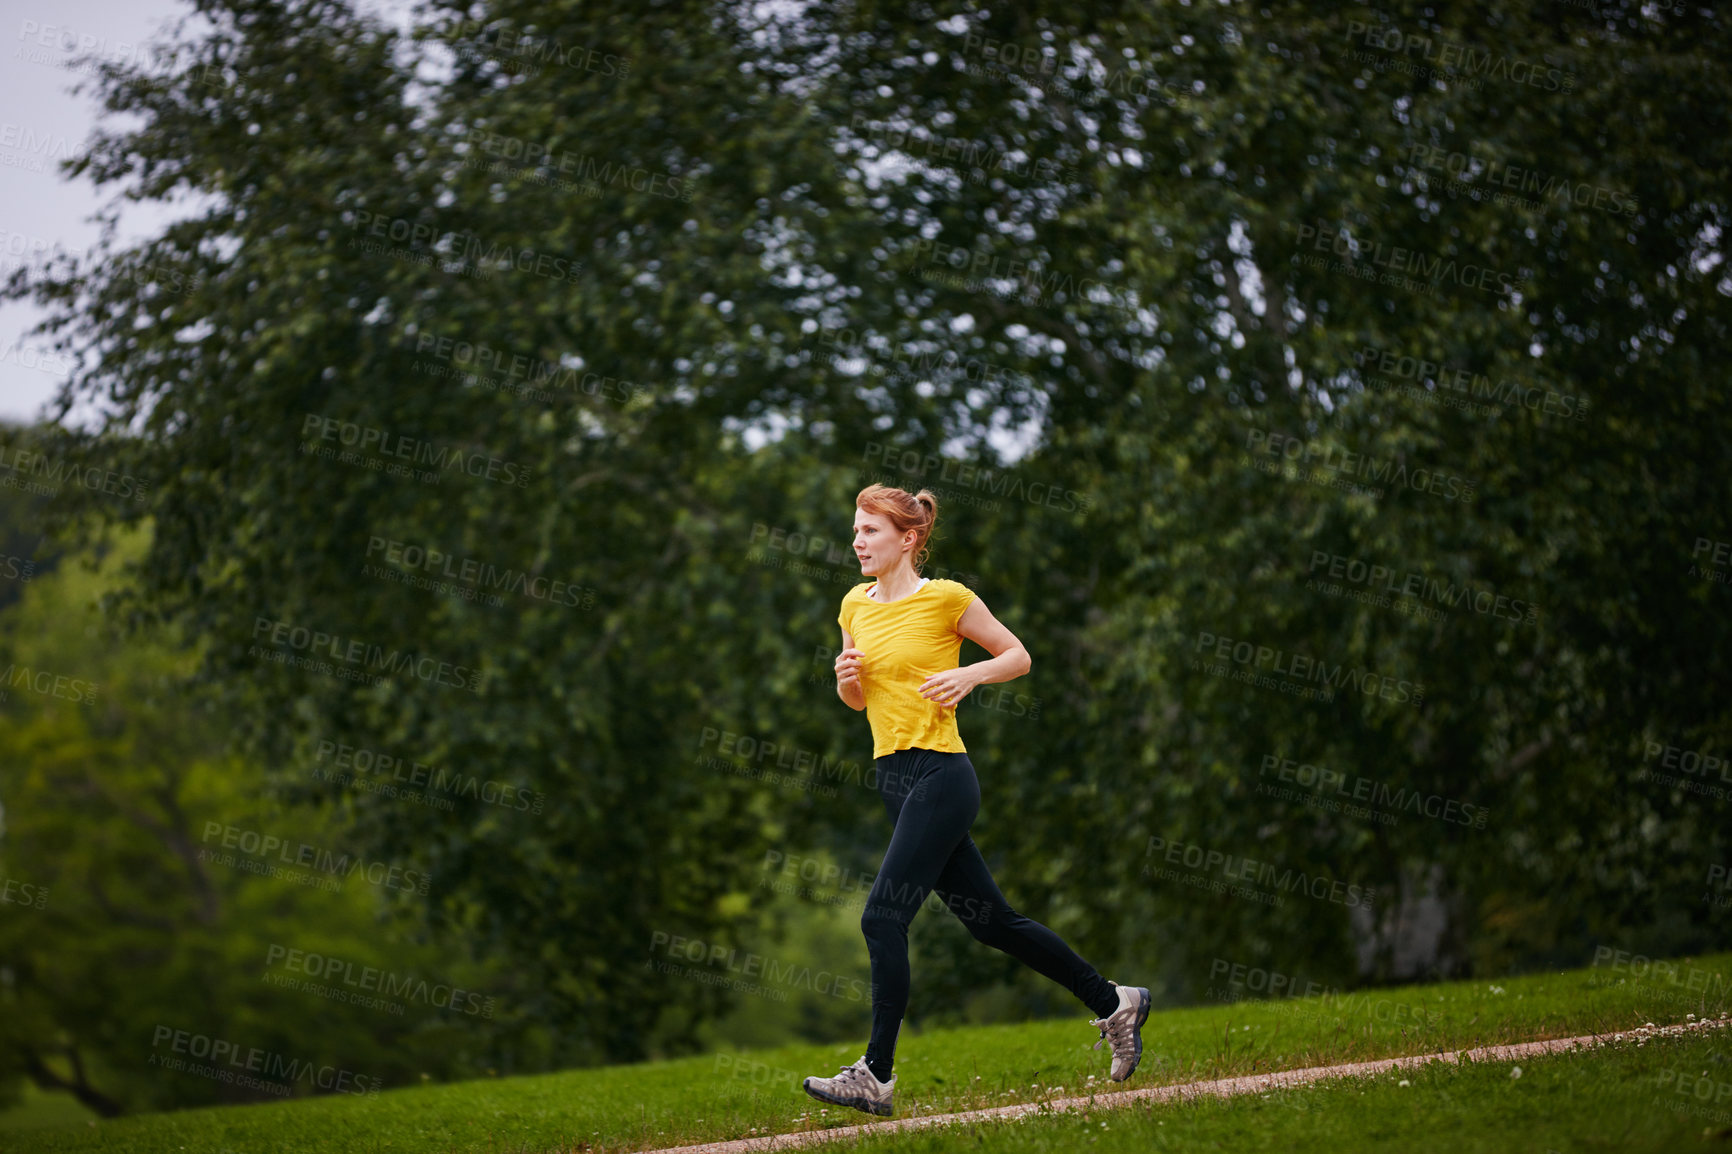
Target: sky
column 41, row 123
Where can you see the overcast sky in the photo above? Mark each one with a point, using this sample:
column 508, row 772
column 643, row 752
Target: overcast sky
column 41, row 122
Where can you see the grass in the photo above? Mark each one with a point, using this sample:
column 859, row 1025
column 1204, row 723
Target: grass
column 730, row 1095
column 40, row 1108
column 1656, row 1097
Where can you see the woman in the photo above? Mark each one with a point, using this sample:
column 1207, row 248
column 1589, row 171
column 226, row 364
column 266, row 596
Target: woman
column 909, row 632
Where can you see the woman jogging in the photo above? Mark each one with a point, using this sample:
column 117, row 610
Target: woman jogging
column 901, row 637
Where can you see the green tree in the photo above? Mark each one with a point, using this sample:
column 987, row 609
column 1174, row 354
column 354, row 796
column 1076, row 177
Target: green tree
column 726, row 269
column 124, row 917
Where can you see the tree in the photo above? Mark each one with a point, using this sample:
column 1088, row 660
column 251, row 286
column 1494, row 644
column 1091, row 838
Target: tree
column 611, row 302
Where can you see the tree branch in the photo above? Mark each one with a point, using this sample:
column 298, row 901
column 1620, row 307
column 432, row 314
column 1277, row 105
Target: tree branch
column 87, row 1095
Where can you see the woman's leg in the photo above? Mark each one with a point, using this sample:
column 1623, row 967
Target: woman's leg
column 932, row 799
column 968, row 891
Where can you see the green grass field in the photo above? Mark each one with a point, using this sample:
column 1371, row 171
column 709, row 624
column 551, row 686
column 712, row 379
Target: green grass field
column 1627, row 1097
column 1620, row 1098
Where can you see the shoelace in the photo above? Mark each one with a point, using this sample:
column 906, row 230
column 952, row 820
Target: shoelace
column 849, row 1073
column 1119, row 1032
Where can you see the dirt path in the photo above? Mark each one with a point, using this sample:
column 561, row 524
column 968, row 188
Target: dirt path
column 1221, row 1088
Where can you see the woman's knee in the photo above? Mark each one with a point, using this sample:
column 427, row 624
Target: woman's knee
column 881, row 924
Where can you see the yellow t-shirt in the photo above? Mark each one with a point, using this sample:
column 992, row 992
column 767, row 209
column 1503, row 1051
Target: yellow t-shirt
column 905, row 642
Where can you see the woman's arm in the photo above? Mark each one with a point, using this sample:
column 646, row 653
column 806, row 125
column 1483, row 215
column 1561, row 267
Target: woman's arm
column 848, row 664
column 1009, row 659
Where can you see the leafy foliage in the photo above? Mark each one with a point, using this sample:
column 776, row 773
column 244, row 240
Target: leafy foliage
column 1096, row 275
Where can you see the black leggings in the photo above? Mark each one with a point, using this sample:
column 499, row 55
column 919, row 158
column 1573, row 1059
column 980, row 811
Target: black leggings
column 932, row 798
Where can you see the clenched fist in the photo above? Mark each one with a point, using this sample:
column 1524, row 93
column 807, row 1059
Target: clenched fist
column 848, row 665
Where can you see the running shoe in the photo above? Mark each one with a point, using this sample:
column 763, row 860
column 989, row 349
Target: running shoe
column 1124, row 1029
column 855, row 1086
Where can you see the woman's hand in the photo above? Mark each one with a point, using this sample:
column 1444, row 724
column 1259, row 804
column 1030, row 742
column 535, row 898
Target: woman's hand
column 848, row 665
column 949, row 687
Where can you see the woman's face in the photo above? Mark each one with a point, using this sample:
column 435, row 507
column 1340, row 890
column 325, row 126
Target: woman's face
column 877, row 545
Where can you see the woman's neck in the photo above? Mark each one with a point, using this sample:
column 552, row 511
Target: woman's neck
column 899, row 583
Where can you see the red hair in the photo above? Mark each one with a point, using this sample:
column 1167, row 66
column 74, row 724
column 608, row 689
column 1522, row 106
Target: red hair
column 905, row 510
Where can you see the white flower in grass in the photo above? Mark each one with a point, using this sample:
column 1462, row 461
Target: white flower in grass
column 1515, row 1072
